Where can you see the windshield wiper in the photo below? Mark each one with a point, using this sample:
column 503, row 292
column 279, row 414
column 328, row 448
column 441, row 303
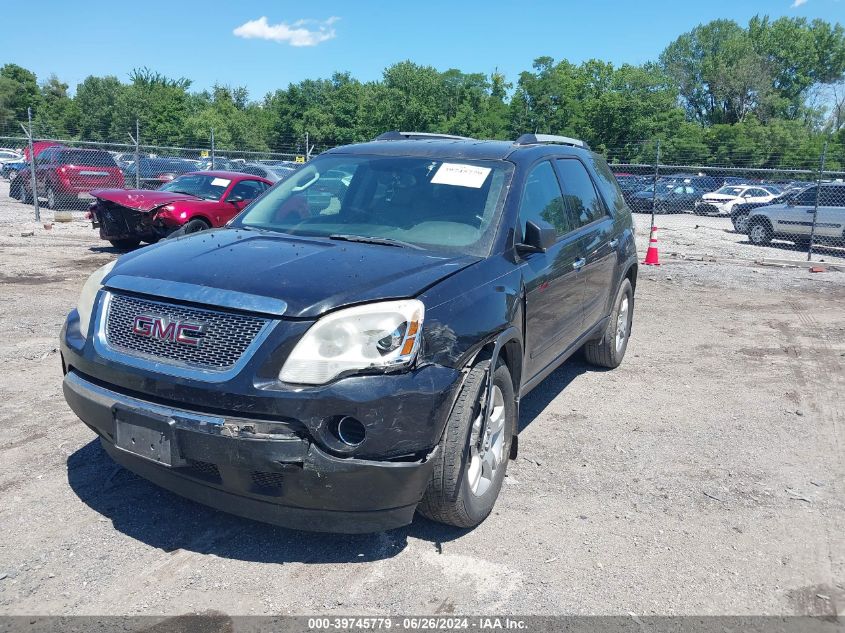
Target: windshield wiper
column 185, row 193
column 365, row 239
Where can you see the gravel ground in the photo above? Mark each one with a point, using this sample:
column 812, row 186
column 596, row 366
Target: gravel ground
column 704, row 476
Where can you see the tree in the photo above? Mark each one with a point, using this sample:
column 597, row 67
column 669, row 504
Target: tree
column 18, row 92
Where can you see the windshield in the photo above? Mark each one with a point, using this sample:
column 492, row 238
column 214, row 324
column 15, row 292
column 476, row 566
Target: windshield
column 440, row 205
column 201, row 186
column 731, row 191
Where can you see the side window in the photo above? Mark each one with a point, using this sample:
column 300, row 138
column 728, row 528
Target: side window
column 541, row 200
column 44, row 158
column 832, row 197
column 607, row 184
column 808, row 196
column 247, row 189
column 579, row 193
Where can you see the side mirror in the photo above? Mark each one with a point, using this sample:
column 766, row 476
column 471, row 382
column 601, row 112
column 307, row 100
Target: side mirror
column 235, row 199
column 538, row 238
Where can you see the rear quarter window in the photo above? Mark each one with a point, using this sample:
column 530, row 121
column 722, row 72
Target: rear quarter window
column 606, row 182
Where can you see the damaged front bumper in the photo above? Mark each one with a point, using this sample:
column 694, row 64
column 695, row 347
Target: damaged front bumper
column 259, row 470
column 117, row 222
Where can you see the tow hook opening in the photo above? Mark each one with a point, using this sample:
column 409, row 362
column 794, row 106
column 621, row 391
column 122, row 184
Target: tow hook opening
column 349, row 431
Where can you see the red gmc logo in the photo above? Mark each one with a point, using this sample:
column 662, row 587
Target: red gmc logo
column 162, row 328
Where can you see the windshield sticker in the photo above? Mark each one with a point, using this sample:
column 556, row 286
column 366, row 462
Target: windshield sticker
column 220, row 182
column 460, row 175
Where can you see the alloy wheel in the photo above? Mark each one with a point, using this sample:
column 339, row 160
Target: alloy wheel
column 622, row 323
column 487, row 446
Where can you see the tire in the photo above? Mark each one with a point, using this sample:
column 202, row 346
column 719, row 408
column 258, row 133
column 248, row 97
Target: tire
column 609, row 350
column 53, row 200
column 192, row 226
column 126, row 244
column 15, row 190
column 459, row 494
column 740, row 222
column 759, row 232
column 26, row 195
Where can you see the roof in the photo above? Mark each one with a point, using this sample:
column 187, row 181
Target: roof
column 231, row 175
column 433, row 148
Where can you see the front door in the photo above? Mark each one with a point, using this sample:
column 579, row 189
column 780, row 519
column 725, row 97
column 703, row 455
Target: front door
column 554, row 283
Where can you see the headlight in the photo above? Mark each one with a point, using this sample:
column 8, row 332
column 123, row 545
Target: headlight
column 85, row 304
column 377, row 335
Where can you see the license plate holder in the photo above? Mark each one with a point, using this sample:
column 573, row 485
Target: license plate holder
column 146, row 434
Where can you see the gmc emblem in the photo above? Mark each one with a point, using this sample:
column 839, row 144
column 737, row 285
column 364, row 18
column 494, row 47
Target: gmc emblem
column 164, row 329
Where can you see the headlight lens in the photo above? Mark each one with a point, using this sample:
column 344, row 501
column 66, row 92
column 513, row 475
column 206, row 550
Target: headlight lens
column 85, row 304
column 377, row 335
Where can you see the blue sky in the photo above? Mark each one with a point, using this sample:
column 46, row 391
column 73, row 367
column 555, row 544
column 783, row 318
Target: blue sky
column 197, row 39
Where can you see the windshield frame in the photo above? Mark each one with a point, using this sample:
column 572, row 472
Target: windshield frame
column 481, row 248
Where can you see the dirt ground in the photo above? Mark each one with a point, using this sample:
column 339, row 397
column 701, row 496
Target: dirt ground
column 704, row 476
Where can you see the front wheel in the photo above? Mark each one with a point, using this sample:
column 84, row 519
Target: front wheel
column 609, row 350
column 740, row 223
column 472, row 456
column 192, row 226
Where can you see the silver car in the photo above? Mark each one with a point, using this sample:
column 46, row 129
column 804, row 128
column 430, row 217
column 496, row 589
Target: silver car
column 793, row 219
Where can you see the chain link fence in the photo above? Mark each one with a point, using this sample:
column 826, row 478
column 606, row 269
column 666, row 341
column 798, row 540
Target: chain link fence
column 797, row 209
column 764, row 205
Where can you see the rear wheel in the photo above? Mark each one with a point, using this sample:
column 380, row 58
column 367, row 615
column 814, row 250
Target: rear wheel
column 609, row 350
column 125, row 244
column 760, row 233
column 53, row 201
column 472, row 456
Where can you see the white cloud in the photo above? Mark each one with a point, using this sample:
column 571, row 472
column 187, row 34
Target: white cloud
column 299, row 33
column 798, row 3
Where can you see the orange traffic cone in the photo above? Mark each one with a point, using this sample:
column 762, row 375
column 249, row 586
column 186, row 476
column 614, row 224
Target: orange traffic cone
column 651, row 258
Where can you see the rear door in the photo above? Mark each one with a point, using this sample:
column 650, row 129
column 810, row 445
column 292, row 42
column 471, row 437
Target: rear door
column 797, row 217
column 43, row 166
column 830, row 221
column 595, row 237
column 554, row 283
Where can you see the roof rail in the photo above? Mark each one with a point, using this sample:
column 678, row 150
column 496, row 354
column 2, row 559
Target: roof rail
column 550, row 139
column 419, row 136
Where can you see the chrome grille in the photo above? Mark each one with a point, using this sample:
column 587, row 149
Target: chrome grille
column 227, row 335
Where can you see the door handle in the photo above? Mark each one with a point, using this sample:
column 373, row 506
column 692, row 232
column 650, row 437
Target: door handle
column 614, row 243
column 578, row 264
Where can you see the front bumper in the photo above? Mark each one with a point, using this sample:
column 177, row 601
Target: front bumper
column 277, row 476
column 119, row 223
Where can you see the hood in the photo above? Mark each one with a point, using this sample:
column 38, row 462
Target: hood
column 312, row 276
column 141, row 199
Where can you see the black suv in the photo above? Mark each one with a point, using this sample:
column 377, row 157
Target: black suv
column 354, row 345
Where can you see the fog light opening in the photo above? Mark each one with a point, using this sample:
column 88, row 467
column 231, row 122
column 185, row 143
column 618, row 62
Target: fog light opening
column 350, row 431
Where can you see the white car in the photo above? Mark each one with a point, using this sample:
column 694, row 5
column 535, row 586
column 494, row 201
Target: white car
column 722, row 201
column 9, row 156
column 793, row 219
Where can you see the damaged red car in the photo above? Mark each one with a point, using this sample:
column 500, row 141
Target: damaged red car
column 193, row 202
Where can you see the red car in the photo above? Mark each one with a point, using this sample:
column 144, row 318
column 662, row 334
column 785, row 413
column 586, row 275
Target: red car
column 193, row 202
column 65, row 175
